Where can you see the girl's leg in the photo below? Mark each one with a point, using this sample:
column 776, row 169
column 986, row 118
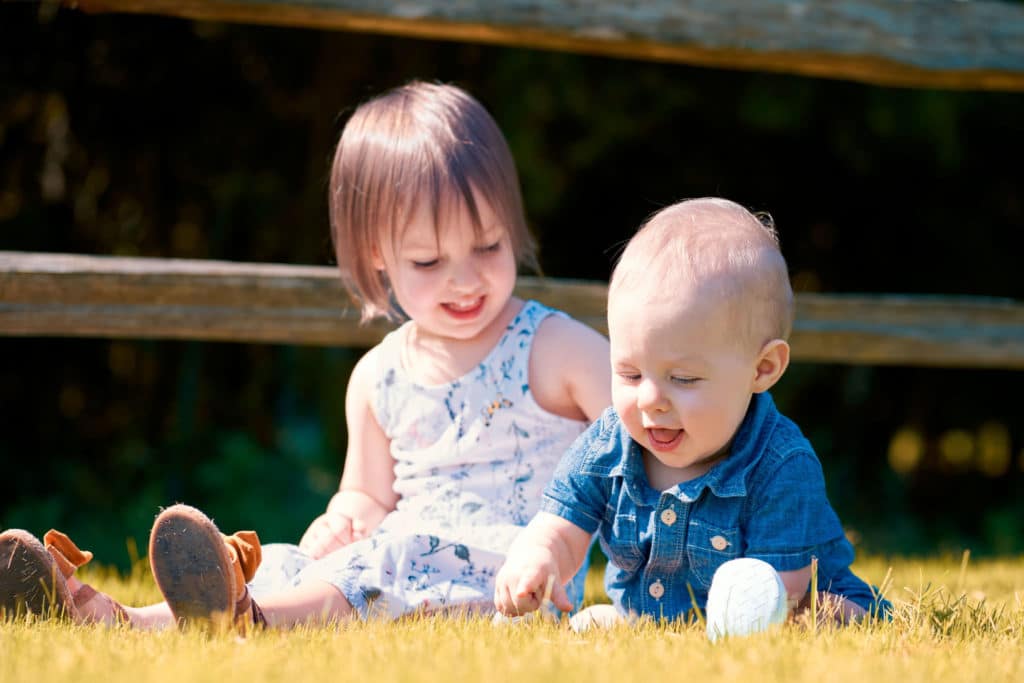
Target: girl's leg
column 202, row 573
column 150, row 617
column 313, row 602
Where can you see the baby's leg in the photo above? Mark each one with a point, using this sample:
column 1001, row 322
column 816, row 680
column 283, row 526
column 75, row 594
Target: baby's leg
column 832, row 608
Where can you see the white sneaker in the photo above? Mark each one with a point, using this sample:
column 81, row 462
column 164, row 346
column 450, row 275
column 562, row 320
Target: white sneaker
column 595, row 616
column 747, row 596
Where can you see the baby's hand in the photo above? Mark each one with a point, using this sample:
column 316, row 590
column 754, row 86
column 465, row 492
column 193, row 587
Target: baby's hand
column 527, row 579
column 330, row 531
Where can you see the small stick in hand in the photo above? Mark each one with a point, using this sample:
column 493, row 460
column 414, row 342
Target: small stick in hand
column 547, row 590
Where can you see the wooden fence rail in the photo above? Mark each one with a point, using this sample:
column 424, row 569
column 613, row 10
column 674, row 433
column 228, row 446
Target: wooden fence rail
column 922, row 43
column 146, row 298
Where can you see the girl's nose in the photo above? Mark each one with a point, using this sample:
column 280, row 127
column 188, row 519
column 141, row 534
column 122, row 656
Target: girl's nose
column 464, row 276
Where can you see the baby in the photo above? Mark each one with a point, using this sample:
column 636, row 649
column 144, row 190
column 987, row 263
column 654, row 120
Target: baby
column 693, row 465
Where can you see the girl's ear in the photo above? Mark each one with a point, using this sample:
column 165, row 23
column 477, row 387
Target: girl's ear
column 772, row 361
column 376, row 260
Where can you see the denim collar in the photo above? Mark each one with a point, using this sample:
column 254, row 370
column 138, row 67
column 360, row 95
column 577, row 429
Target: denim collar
column 728, row 477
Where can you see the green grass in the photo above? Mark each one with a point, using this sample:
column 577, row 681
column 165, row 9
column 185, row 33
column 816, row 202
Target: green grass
column 953, row 621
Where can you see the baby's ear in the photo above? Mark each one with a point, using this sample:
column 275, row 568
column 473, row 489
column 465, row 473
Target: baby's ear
column 376, row 260
column 772, row 361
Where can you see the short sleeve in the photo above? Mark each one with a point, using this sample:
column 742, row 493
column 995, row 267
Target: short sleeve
column 574, row 492
column 789, row 514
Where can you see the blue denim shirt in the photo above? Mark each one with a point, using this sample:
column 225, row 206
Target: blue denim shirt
column 766, row 500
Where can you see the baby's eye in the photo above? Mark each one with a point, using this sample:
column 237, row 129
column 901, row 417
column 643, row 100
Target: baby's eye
column 425, row 264
column 685, row 380
column 630, row 376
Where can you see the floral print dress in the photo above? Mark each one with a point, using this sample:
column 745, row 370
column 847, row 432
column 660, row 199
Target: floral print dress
column 472, row 457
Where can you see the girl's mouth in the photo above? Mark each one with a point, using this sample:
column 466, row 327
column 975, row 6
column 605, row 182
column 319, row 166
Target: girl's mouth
column 464, row 310
column 664, row 439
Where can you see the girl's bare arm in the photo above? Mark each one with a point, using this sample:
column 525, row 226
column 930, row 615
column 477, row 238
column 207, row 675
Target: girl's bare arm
column 366, row 493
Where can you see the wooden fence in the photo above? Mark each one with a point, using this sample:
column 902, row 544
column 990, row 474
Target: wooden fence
column 65, row 294
column 924, row 43
column 932, row 44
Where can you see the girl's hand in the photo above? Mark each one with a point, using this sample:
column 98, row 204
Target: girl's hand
column 330, row 531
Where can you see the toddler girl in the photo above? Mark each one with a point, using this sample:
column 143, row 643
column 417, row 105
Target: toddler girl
column 456, row 420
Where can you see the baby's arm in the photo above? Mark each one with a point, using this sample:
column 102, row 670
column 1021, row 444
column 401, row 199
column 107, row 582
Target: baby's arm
column 570, row 370
column 794, row 498
column 549, row 551
column 366, row 493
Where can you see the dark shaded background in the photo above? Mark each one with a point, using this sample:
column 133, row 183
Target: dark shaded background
column 161, row 137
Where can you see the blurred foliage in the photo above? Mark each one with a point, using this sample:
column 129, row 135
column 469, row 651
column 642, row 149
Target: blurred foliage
column 161, row 137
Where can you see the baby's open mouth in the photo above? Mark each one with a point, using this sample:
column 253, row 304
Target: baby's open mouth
column 664, row 438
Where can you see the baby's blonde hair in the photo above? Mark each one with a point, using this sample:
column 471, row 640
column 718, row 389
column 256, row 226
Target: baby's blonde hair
column 720, row 249
column 420, row 142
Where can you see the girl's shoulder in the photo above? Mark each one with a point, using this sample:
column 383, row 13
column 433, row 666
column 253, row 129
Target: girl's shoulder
column 558, row 327
column 367, row 369
column 555, row 328
column 570, row 367
column 380, row 361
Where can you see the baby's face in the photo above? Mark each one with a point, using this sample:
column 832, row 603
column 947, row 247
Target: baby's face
column 681, row 382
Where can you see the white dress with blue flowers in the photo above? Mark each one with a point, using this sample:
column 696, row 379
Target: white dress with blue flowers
column 472, row 458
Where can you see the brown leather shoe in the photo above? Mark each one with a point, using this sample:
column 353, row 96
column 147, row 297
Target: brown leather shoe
column 202, row 573
column 30, row 580
column 41, row 579
column 92, row 605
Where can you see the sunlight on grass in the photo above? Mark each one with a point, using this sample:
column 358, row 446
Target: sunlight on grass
column 953, row 622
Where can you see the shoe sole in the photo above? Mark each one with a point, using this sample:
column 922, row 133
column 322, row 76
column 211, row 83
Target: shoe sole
column 29, row 578
column 191, row 565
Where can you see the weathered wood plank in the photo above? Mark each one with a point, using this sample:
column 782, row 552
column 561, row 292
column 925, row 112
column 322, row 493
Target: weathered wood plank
column 926, row 43
column 75, row 295
column 909, row 330
column 95, row 296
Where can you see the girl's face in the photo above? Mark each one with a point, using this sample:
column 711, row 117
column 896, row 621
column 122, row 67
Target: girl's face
column 452, row 282
column 680, row 382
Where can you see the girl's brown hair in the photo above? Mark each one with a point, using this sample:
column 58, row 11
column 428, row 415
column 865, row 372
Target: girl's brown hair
column 420, row 142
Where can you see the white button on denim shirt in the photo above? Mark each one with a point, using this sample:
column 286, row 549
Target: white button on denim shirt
column 765, row 500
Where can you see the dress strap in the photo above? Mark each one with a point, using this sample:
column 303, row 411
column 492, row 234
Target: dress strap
column 508, row 363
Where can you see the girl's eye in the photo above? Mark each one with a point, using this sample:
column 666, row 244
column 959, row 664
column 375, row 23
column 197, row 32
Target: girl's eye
column 490, row 248
column 685, row 380
column 425, row 264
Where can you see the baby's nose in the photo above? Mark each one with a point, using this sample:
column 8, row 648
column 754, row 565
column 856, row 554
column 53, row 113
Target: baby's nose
column 649, row 396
